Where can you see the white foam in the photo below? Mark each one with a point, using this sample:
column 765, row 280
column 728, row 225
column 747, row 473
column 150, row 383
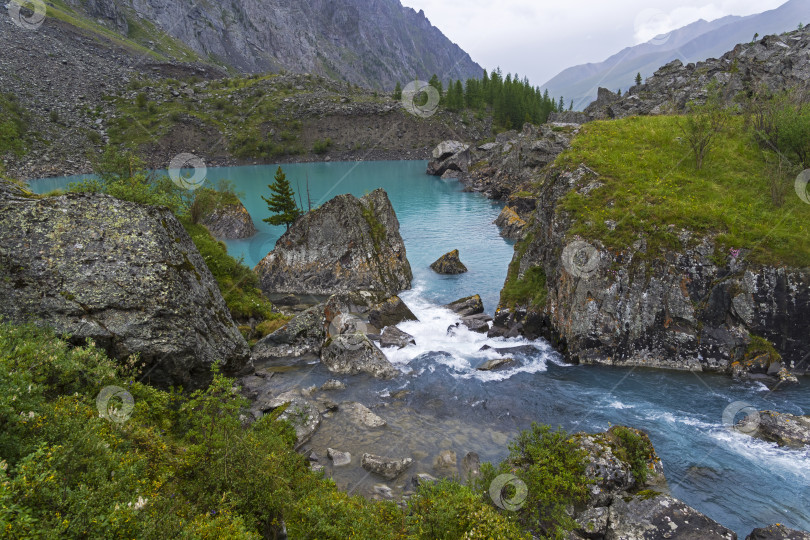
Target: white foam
column 460, row 347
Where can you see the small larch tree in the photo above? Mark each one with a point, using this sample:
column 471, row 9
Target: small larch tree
column 281, row 202
column 638, row 79
column 398, row 92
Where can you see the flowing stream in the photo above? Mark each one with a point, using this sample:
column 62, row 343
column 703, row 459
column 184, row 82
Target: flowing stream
column 443, row 403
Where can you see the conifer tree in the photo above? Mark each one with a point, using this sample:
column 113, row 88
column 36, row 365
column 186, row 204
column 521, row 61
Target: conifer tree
column 398, row 92
column 281, row 202
column 638, row 79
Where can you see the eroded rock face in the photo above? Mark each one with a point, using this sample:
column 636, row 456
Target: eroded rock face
column 680, row 309
column 348, row 244
column 230, row 222
column 126, row 275
column 350, row 354
column 510, row 223
column 782, row 428
column 449, row 263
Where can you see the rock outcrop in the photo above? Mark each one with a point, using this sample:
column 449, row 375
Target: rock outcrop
column 777, row 532
column 351, row 354
column 449, row 156
column 123, row 274
column 510, row 223
column 231, row 221
column 394, row 337
column 385, row 467
column 303, row 334
column 390, row 312
column 348, row 244
column 681, row 309
column 449, row 264
column 467, row 307
column 772, row 64
column 782, row 428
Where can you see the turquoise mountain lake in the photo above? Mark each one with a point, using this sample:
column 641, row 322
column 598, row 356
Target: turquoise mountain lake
column 443, row 402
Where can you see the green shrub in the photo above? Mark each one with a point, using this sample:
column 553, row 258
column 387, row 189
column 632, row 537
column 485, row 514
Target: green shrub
column 140, row 100
column 633, row 447
column 322, row 147
column 447, row 510
column 552, row 466
column 13, row 125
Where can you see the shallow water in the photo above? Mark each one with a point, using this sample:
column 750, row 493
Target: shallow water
column 442, row 402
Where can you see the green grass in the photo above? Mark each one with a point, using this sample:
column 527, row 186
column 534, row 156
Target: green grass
column 13, row 126
column 650, row 184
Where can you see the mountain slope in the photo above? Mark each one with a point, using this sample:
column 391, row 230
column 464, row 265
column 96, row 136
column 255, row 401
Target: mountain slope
column 692, row 43
column 375, row 43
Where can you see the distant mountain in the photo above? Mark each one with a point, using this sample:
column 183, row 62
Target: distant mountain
column 375, row 43
column 692, row 43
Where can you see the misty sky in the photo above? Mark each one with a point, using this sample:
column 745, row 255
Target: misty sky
column 539, row 39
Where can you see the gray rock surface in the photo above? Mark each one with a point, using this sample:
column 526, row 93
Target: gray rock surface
column 300, row 412
column 126, row 275
column 231, row 221
column 339, row 459
column 303, row 334
column 394, row 337
column 362, row 415
column 351, row 354
column 680, row 309
column 390, row 312
column 777, row 532
column 497, row 363
column 782, row 428
column 347, row 244
column 449, row 157
column 449, row 263
column 466, row 307
column 385, row 467
column 477, row 323
column 643, row 518
column 511, row 224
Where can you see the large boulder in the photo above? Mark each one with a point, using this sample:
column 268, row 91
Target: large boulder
column 391, row 312
column 230, row 221
column 510, row 224
column 782, row 428
column 642, row 518
column 777, row 532
column 304, row 334
column 385, row 467
column 466, row 307
column 394, row 337
column 347, row 244
column 449, row 156
column 449, row 263
column 351, row 354
column 125, row 275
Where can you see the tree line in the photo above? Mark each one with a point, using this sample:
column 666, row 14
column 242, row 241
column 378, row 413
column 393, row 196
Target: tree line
column 512, row 99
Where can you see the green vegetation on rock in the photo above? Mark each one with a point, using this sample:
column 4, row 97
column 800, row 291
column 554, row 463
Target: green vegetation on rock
column 13, row 126
column 633, row 447
column 650, row 189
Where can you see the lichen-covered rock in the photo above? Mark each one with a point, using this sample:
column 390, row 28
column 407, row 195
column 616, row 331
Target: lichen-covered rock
column 385, row 467
column 782, row 428
column 351, row 354
column 303, row 334
column 347, row 244
column 229, row 221
column 126, row 275
column 466, row 307
column 680, row 309
column 777, row 532
column 644, row 518
column 510, row 223
column 391, row 312
column 449, row 263
column 394, row 337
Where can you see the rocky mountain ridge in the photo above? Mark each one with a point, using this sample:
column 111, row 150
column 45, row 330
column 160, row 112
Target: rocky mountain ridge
column 374, row 43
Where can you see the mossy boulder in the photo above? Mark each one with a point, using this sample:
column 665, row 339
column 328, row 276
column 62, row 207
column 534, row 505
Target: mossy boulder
column 449, row 263
column 125, row 275
column 348, row 244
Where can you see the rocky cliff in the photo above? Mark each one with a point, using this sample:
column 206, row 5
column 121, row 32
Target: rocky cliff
column 122, row 274
column 346, row 245
column 772, row 64
column 679, row 308
column 375, row 43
